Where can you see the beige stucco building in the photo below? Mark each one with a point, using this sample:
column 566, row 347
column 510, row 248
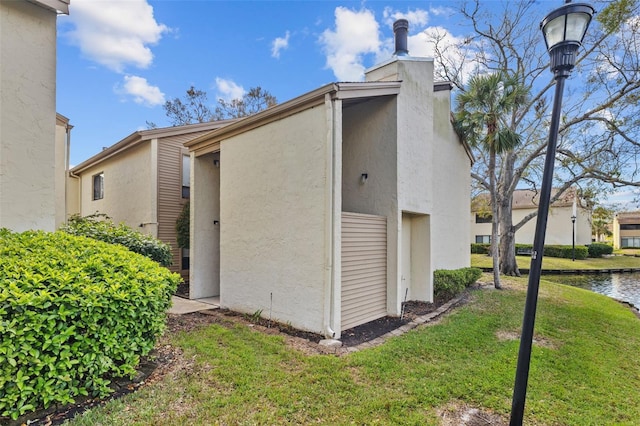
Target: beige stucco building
column 559, row 223
column 626, row 230
column 31, row 164
column 142, row 181
column 326, row 210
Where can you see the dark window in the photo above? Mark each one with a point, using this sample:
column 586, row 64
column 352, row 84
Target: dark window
column 630, row 227
column 186, row 183
column 486, row 218
column 185, row 258
column 98, row 186
column 483, row 239
column 630, row 242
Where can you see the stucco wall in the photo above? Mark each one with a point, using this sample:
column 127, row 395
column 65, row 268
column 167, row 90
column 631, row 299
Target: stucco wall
column 128, row 189
column 272, row 217
column 451, row 186
column 60, row 172
column 204, row 232
column 559, row 231
column 27, row 116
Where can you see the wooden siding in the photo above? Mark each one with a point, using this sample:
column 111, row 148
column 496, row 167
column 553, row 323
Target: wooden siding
column 364, row 268
column 170, row 201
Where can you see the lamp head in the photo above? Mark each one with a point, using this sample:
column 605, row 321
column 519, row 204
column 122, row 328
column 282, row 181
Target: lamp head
column 564, row 30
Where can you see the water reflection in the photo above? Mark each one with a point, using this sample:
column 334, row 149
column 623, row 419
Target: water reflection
column 619, row 286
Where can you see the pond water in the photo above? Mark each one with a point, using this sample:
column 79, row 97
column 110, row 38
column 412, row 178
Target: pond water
column 625, row 286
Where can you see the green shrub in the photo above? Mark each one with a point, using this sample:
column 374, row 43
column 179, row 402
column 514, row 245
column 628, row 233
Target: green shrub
column 449, row 283
column 599, row 249
column 74, row 313
column 566, row 252
column 477, row 248
column 182, row 226
column 100, row 227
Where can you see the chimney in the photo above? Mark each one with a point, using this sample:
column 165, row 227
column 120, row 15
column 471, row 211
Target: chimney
column 400, row 30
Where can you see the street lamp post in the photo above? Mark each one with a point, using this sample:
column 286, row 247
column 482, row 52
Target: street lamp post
column 563, row 30
column 573, row 238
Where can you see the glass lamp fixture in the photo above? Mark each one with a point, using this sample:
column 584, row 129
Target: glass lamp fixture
column 563, row 31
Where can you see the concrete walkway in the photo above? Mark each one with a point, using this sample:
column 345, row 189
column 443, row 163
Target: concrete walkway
column 181, row 306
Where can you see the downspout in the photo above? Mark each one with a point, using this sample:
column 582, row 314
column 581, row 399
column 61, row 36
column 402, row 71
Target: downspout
column 68, row 173
column 329, row 222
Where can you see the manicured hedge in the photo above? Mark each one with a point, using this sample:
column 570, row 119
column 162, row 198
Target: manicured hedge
column 100, row 227
column 74, row 313
column 599, row 249
column 561, row 251
column 449, row 283
column 477, row 248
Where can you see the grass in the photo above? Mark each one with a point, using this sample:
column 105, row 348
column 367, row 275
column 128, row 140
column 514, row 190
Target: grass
column 613, row 262
column 585, row 371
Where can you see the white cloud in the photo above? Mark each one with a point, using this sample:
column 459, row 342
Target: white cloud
column 228, row 89
column 280, row 43
column 417, row 18
column 141, row 91
column 115, row 34
column 356, row 34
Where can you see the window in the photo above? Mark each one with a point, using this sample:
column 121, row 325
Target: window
column 186, row 169
column 630, row 242
column 185, row 258
column 630, row 227
column 484, row 218
column 98, row 186
column 483, row 239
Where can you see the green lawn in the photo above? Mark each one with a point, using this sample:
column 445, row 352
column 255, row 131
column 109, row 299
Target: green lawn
column 585, row 370
column 613, row 262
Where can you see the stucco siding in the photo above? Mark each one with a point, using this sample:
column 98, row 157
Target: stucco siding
column 416, row 136
column 272, row 217
column 27, row 116
column 451, row 186
column 128, row 196
column 559, row 227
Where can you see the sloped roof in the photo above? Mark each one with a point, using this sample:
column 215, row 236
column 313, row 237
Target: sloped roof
column 527, row 199
column 347, row 92
column 625, row 218
column 140, row 136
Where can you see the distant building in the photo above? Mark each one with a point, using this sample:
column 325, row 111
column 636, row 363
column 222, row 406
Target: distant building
column 30, row 161
column 559, row 222
column 626, row 230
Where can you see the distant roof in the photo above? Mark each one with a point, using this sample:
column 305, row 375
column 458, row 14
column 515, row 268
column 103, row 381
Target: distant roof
column 528, row 199
column 628, row 217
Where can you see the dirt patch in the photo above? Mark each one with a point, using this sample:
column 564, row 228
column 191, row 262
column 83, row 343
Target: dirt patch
column 460, row 414
column 537, row 340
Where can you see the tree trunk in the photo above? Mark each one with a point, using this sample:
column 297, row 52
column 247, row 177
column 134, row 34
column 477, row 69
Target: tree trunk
column 495, row 241
column 508, row 262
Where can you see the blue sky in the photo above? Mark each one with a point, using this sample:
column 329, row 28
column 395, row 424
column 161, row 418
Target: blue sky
column 119, row 61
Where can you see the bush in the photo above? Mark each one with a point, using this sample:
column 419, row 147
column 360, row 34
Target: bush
column 449, row 283
column 480, row 248
column 100, row 227
column 182, row 226
column 599, row 249
column 74, row 313
column 566, row 252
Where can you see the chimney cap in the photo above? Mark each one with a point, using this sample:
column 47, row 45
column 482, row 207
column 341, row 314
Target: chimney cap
column 400, row 31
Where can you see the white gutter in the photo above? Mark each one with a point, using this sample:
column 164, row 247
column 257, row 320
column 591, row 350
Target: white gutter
column 329, row 282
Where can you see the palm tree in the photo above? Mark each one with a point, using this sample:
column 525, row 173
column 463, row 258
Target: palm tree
column 482, row 116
